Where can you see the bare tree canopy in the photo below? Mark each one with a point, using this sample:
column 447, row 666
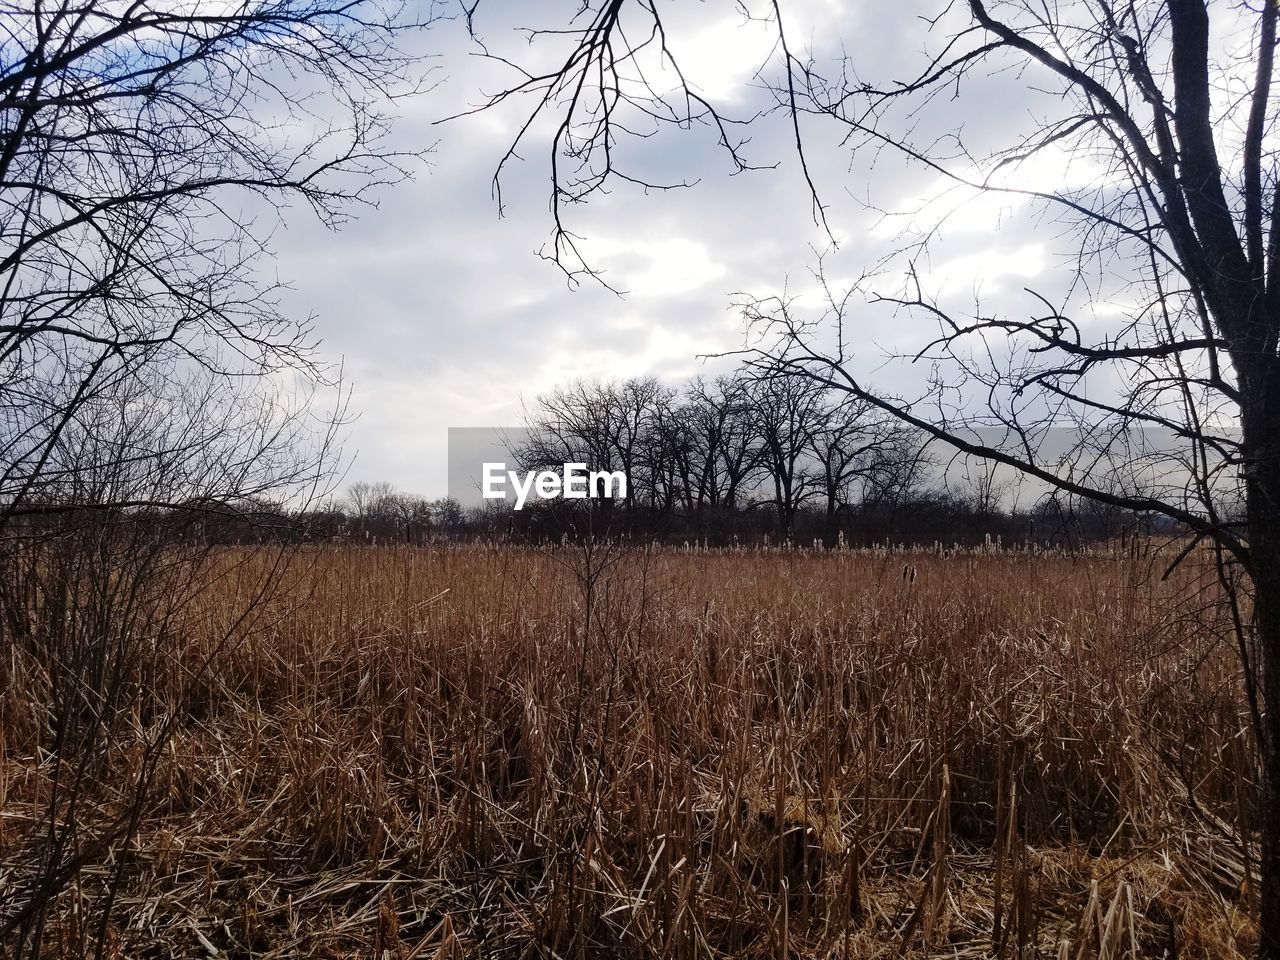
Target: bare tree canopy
column 706, row 457
column 145, row 150
column 149, row 379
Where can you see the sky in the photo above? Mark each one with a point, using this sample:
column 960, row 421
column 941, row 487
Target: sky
column 442, row 314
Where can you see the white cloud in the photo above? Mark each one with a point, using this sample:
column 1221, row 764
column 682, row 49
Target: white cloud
column 722, row 58
column 983, row 271
column 956, row 207
column 665, row 266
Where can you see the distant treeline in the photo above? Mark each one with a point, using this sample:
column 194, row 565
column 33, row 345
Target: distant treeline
column 750, row 456
column 378, row 513
column 924, row 516
column 734, row 459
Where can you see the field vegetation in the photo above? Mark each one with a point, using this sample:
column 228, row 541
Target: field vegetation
column 597, row 751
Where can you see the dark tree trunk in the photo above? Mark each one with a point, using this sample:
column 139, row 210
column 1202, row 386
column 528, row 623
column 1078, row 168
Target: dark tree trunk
column 1267, row 585
column 1262, row 444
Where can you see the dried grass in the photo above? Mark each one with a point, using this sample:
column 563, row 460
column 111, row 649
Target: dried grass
column 466, row 751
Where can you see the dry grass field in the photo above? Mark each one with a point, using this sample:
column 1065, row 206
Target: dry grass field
column 462, row 751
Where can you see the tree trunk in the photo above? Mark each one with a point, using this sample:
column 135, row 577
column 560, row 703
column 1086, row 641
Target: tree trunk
column 1261, row 420
column 1267, row 586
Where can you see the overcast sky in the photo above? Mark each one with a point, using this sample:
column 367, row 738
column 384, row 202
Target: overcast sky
column 442, row 314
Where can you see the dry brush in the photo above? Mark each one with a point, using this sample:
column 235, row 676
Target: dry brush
column 471, row 751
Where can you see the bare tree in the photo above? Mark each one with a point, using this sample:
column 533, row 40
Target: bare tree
column 374, row 508
column 739, row 449
column 854, row 447
column 144, row 149
column 154, row 396
column 416, row 516
column 787, row 415
column 1181, row 210
column 668, row 454
column 99, row 578
column 985, row 487
column 608, row 426
column 727, row 449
